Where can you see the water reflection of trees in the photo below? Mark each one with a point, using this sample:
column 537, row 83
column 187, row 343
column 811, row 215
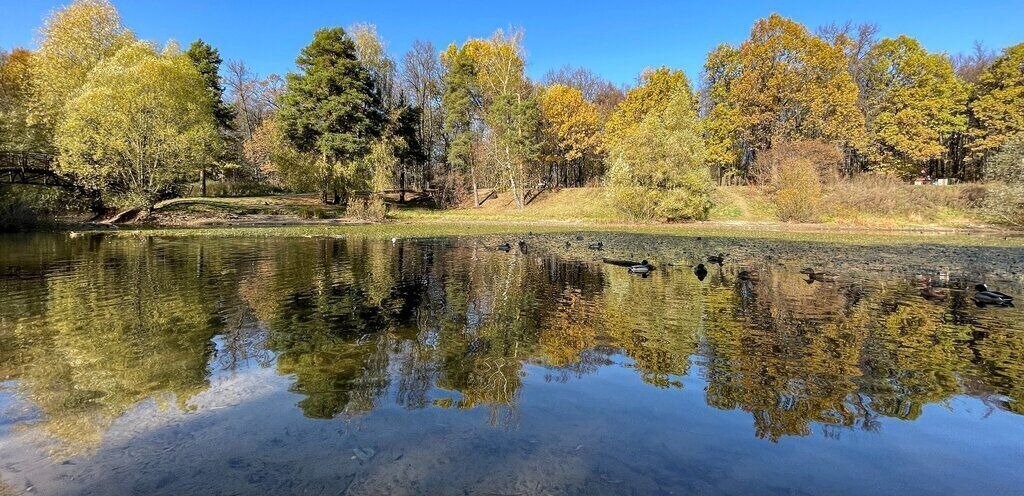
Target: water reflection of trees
column 451, row 324
column 121, row 325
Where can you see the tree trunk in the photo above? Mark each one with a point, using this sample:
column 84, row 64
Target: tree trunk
column 202, row 181
column 515, row 192
column 401, row 186
column 476, row 193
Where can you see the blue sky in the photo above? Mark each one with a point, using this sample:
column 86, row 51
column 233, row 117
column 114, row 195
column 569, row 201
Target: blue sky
column 615, row 38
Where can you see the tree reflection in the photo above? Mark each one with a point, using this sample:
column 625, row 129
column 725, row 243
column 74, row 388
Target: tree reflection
column 97, row 325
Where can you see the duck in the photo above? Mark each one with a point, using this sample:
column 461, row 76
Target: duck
column 642, row 269
column 717, row 259
column 522, row 246
column 505, row 247
column 818, row 276
column 568, row 245
column 579, row 237
column 627, row 263
column 985, row 296
column 700, row 271
column 596, row 246
column 933, row 294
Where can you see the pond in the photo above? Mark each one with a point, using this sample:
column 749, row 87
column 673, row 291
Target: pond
column 364, row 365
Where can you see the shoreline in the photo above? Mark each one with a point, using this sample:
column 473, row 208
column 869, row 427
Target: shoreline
column 439, row 227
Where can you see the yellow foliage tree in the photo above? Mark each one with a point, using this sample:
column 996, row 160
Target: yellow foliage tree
column 499, row 97
column 74, row 39
column 782, row 83
column 658, row 162
column 998, row 105
column 571, row 127
column 914, row 103
column 15, row 96
column 141, row 121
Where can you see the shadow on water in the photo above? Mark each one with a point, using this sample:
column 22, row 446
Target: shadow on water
column 236, row 365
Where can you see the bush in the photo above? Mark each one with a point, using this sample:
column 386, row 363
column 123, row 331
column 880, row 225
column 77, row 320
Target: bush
column 17, row 217
column 691, row 199
column 796, row 191
column 825, row 157
column 1004, row 204
column 1007, row 164
column 972, row 195
column 372, row 208
column 793, row 173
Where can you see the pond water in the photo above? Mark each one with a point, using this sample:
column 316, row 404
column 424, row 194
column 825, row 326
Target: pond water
column 351, row 365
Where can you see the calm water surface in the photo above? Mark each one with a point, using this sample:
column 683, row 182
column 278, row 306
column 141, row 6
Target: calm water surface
column 150, row 365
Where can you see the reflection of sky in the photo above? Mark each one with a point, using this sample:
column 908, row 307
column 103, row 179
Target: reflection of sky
column 246, row 436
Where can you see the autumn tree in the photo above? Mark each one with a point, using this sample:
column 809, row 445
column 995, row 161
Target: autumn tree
column 73, row 40
column 333, row 110
column 510, row 111
column 997, row 107
column 658, row 167
column 782, row 83
column 571, row 128
column 492, row 114
column 914, row 104
column 371, row 50
column 276, row 160
column 16, row 130
column 595, row 89
column 141, row 122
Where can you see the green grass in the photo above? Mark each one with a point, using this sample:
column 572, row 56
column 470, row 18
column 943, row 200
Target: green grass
column 740, row 212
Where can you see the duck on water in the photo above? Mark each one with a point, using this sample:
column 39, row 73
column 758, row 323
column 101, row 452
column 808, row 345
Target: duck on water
column 985, row 296
column 813, row 276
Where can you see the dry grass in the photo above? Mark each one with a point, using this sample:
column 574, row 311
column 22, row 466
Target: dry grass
column 873, row 199
column 571, row 205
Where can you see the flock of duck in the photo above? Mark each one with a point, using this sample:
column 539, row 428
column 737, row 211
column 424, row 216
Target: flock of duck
column 983, row 296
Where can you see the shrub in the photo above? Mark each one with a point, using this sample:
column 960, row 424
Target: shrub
column 1004, row 204
column 972, row 195
column 372, row 208
column 796, row 191
column 17, row 217
column 793, row 173
column 825, row 157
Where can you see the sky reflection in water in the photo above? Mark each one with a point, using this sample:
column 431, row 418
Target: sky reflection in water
column 320, row 366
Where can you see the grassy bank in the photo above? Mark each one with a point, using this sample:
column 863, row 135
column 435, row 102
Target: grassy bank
column 859, row 205
column 936, row 215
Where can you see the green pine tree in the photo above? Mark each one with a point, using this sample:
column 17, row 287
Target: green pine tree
column 333, row 110
column 207, row 60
